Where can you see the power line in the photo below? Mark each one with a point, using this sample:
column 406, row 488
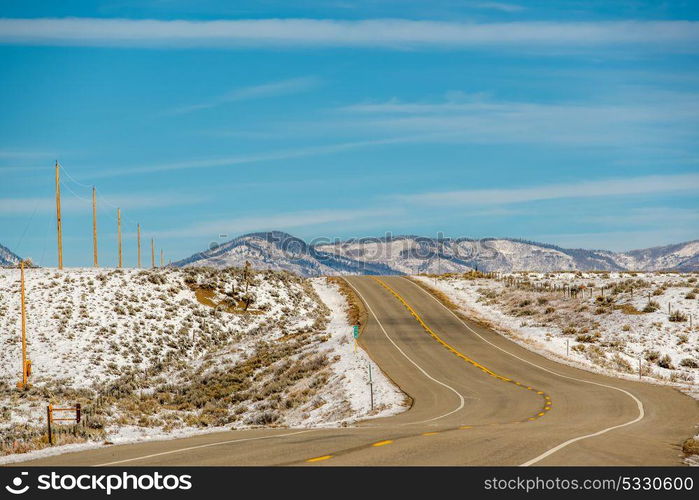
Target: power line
column 102, row 198
column 21, row 238
column 72, row 178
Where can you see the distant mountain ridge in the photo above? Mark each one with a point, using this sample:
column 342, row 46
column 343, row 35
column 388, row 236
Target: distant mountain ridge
column 414, row 254
column 7, row 257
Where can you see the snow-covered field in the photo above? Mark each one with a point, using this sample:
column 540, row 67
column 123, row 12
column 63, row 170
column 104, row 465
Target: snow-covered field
column 152, row 354
column 612, row 323
column 607, row 327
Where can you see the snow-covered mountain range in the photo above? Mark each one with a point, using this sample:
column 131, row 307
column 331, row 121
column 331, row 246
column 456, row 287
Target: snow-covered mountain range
column 413, row 254
column 7, row 257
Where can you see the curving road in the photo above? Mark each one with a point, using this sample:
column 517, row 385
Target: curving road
column 478, row 399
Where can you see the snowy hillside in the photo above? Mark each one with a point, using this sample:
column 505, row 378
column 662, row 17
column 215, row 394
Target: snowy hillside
column 679, row 257
column 155, row 353
column 7, row 257
column 281, row 251
column 413, row 254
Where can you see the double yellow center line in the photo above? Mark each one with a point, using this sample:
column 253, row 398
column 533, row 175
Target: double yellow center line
column 484, row 369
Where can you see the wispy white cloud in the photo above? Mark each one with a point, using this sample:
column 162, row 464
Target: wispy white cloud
column 231, row 161
column 72, row 204
column 280, row 221
column 583, row 189
column 396, row 33
column 619, row 241
column 271, row 89
column 648, row 217
column 503, row 7
column 638, row 116
column 15, row 154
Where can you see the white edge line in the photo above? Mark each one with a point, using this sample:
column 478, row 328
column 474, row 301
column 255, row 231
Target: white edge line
column 641, row 411
column 461, row 398
column 170, row 452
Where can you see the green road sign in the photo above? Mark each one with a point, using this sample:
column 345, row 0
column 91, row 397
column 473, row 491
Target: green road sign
column 356, row 331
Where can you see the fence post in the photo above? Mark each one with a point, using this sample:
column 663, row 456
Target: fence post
column 49, row 417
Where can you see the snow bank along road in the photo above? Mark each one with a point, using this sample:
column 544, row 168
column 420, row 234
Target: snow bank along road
column 477, row 399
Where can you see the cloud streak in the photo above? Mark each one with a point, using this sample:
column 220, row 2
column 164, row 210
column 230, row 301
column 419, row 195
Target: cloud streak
column 648, row 117
column 500, row 6
column 231, row 161
column 72, row 204
column 279, row 221
column 272, row 89
column 585, row 189
column 395, row 33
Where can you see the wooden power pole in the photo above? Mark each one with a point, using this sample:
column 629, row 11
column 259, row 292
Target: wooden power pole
column 59, row 225
column 138, row 237
column 119, row 234
column 161, row 258
column 152, row 252
column 26, row 364
column 94, row 227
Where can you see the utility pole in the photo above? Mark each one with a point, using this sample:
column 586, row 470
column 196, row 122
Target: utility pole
column 94, row 227
column 138, row 233
column 26, row 364
column 119, row 235
column 152, row 253
column 59, row 225
column 161, row 258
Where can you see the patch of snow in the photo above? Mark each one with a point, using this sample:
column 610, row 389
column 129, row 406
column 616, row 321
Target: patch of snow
column 352, row 366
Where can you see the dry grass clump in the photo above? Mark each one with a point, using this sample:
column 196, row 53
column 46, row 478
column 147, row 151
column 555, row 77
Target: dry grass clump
column 691, row 446
column 651, row 306
column 677, row 317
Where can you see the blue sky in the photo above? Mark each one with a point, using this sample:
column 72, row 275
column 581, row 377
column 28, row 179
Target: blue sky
column 569, row 122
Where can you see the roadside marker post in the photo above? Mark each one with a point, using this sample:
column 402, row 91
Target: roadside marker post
column 371, row 387
column 355, row 334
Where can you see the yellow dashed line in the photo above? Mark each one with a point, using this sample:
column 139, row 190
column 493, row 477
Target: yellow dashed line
column 382, row 443
column 318, row 459
column 429, row 433
column 465, row 427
